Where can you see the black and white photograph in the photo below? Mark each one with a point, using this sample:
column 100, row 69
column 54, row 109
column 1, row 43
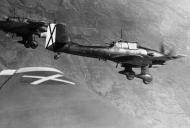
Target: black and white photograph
column 94, row 64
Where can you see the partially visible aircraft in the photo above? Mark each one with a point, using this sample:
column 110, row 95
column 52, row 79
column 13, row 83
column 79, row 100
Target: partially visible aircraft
column 25, row 28
column 44, row 97
column 128, row 54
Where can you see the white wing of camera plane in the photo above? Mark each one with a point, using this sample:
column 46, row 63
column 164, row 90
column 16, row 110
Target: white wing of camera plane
column 40, row 97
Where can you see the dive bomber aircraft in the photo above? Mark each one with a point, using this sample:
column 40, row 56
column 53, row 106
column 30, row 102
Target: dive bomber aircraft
column 25, row 28
column 129, row 54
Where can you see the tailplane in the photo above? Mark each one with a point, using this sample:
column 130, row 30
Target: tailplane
column 56, row 35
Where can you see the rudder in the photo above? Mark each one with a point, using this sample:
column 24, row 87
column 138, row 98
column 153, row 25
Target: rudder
column 56, row 34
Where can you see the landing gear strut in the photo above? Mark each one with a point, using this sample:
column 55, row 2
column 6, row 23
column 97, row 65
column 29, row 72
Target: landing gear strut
column 145, row 75
column 29, row 42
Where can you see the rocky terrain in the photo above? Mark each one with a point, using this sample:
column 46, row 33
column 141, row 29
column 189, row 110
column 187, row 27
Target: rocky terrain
column 163, row 104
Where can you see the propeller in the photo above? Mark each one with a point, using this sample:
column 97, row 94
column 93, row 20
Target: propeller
column 162, row 48
column 167, row 52
column 171, row 54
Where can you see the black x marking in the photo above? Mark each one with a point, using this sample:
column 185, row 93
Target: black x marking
column 51, row 36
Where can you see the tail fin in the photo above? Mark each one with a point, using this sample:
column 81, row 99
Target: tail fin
column 50, row 35
column 56, row 34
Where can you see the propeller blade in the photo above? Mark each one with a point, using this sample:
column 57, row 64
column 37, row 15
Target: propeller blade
column 171, row 52
column 172, row 55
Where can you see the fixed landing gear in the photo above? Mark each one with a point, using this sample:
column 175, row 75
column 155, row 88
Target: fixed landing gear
column 130, row 74
column 26, row 45
column 56, row 56
column 145, row 75
column 29, row 44
column 147, row 78
column 33, row 44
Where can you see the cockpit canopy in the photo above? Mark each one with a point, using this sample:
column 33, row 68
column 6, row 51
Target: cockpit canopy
column 17, row 19
column 125, row 45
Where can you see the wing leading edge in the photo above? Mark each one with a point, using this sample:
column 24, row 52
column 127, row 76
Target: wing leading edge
column 53, row 103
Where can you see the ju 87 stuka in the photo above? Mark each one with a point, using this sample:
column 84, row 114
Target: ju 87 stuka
column 128, row 54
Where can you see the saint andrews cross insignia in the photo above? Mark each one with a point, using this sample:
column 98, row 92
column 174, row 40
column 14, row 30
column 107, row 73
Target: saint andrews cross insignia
column 51, row 36
column 37, row 78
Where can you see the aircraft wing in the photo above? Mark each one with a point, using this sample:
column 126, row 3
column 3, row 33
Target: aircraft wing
column 39, row 97
column 136, row 60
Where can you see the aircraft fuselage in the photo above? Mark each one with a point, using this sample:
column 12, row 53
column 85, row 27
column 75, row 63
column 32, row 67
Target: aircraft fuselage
column 111, row 53
column 20, row 28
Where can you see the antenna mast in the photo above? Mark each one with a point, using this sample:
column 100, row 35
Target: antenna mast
column 14, row 12
column 121, row 34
